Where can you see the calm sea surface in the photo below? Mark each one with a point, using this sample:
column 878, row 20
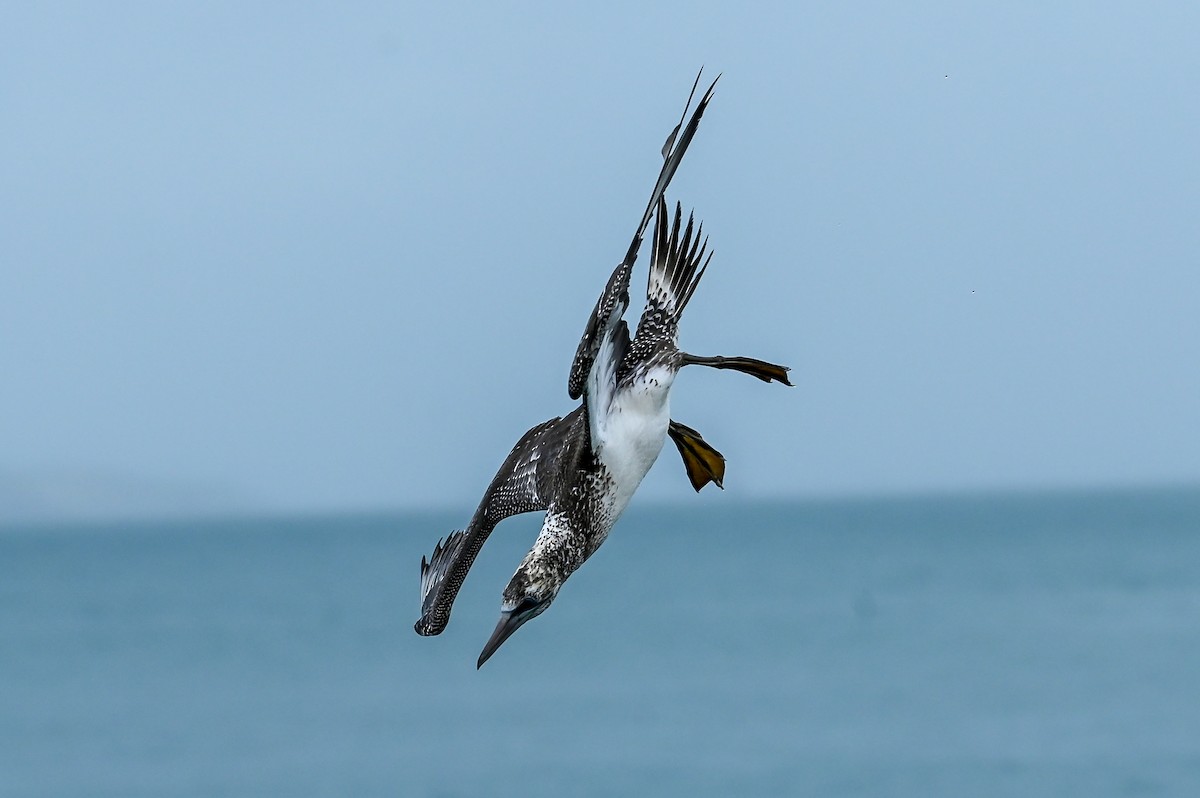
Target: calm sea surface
column 1011, row 645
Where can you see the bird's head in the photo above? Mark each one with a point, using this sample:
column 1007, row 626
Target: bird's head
column 527, row 596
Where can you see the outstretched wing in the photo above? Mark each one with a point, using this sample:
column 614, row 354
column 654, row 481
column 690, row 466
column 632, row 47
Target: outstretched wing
column 615, row 299
column 523, row 484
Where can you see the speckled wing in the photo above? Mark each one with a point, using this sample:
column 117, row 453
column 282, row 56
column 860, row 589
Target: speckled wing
column 524, row 483
column 615, row 298
column 611, row 306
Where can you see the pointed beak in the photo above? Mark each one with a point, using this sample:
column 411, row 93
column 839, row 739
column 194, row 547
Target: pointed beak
column 509, row 623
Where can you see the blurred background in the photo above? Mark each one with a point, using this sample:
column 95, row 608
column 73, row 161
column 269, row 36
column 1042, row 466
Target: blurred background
column 280, row 286
column 260, row 257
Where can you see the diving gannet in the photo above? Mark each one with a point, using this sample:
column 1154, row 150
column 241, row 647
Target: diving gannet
column 583, row 468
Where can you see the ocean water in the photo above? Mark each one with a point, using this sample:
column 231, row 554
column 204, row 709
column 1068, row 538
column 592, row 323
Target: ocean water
column 1015, row 645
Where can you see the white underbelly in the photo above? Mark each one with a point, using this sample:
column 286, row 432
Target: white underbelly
column 633, row 435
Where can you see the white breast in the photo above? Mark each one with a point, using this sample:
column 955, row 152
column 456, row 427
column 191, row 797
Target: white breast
column 632, row 433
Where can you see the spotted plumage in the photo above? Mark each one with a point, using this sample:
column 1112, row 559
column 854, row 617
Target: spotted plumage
column 583, row 468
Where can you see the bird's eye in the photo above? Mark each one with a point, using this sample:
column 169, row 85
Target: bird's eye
column 530, row 606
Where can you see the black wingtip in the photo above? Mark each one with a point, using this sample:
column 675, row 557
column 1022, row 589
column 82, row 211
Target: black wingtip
column 677, row 144
column 683, row 116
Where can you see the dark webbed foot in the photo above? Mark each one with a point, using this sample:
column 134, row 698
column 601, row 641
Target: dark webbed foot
column 767, row 372
column 704, row 464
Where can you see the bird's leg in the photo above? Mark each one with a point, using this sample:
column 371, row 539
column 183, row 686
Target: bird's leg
column 704, row 464
column 767, row 372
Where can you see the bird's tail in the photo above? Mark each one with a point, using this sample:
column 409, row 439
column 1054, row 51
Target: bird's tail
column 677, row 264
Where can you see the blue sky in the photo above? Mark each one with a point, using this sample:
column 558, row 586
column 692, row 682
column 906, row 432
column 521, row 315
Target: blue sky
column 313, row 259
